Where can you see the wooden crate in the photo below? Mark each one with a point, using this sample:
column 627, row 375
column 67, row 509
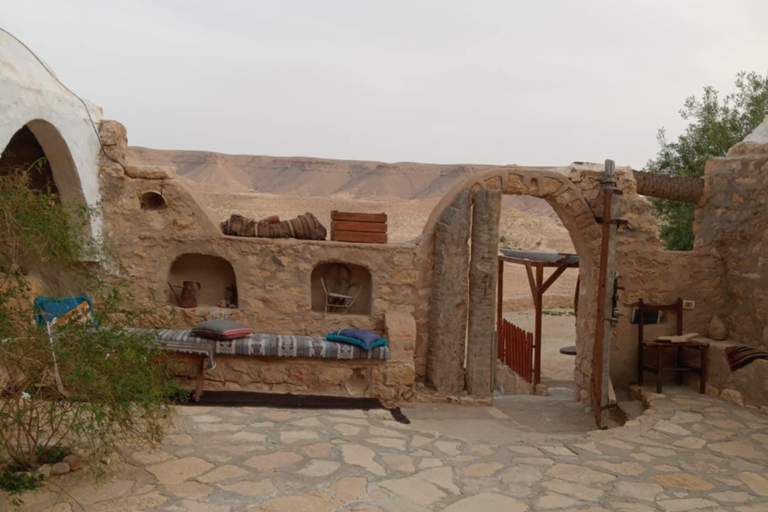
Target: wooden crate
column 369, row 228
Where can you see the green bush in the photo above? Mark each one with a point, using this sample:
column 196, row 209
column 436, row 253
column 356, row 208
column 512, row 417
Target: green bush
column 92, row 388
column 16, row 483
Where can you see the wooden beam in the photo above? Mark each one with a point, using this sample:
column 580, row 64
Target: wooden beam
column 359, row 217
column 531, row 280
column 363, row 227
column 545, row 263
column 557, row 273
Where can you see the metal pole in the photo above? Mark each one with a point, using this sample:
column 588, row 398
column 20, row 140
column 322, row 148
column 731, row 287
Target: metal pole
column 602, row 348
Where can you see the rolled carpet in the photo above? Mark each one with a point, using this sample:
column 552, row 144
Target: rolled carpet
column 740, row 356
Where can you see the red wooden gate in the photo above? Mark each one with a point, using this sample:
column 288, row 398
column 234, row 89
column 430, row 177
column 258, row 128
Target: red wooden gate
column 515, row 349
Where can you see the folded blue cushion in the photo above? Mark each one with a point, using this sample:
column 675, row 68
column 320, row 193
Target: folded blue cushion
column 363, row 339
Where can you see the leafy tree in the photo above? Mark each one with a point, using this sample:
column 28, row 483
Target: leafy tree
column 94, row 387
column 714, row 125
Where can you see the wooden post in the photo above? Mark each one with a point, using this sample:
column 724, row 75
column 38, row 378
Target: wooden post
column 576, row 296
column 537, row 331
column 500, row 307
column 199, row 379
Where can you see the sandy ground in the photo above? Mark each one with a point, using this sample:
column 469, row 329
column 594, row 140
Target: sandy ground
column 558, row 331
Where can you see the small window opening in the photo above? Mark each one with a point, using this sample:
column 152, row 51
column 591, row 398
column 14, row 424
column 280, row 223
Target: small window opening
column 152, row 201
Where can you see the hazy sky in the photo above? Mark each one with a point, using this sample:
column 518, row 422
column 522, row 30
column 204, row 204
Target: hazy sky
column 446, row 81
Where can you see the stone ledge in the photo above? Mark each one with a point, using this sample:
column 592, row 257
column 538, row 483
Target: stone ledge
column 743, row 387
column 151, row 172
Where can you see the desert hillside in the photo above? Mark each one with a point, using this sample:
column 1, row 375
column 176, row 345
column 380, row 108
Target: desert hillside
column 318, row 177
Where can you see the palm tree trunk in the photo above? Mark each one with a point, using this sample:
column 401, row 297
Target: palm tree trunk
column 687, row 190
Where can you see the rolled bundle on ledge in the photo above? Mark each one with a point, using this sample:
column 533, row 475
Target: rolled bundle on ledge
column 303, row 227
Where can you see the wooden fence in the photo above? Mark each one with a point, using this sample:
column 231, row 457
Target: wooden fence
column 516, row 349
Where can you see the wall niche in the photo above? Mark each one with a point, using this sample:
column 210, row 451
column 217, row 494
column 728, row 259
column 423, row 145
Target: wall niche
column 333, row 279
column 152, row 201
column 212, row 279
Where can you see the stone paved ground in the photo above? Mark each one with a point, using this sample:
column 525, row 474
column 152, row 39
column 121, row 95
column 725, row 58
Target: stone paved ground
column 689, row 452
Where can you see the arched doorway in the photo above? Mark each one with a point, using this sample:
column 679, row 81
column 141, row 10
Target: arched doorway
column 39, row 147
column 24, row 153
column 464, row 232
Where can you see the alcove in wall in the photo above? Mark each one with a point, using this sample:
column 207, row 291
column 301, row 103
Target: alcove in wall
column 342, row 279
column 152, row 201
column 215, row 277
column 24, row 153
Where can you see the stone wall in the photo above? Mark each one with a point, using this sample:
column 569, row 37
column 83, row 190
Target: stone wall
column 274, row 286
column 733, row 224
column 273, row 275
column 645, row 269
column 723, row 275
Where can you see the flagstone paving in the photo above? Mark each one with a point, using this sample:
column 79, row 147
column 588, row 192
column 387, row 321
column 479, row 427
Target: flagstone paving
column 689, row 452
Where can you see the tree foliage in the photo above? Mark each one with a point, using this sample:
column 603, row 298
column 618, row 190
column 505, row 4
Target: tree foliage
column 715, row 124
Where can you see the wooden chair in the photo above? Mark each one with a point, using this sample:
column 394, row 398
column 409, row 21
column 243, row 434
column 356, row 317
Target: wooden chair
column 340, row 292
column 680, row 367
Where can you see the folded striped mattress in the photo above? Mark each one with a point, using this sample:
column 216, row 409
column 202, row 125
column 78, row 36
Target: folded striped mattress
column 261, row 345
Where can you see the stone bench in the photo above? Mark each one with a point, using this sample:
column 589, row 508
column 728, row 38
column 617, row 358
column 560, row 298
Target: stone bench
column 746, row 386
column 299, row 366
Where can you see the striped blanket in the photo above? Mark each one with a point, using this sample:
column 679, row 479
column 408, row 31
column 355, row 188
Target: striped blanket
column 276, row 345
column 739, row 357
column 180, row 341
column 261, row 345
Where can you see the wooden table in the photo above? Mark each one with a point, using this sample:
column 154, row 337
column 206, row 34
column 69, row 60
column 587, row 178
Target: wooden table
column 680, row 366
column 199, row 361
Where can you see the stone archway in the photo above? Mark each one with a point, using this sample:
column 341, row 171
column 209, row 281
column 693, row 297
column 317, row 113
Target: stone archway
column 464, row 229
column 62, row 165
column 40, row 138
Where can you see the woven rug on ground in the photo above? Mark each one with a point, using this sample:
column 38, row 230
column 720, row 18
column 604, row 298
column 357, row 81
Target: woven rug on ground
column 739, row 357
